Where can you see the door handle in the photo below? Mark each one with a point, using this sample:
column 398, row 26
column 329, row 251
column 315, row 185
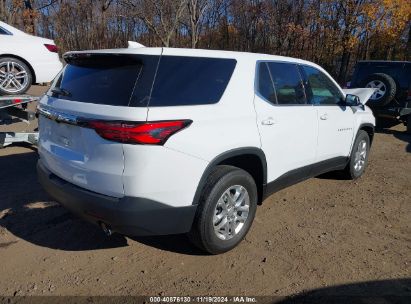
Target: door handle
column 324, row 116
column 268, row 122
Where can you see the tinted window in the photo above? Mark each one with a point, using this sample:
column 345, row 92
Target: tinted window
column 287, row 83
column 3, row 31
column 265, row 85
column 190, row 80
column 142, row 80
column 108, row 79
column 321, row 89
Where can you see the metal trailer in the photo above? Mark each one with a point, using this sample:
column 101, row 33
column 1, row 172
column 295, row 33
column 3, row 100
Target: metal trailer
column 13, row 109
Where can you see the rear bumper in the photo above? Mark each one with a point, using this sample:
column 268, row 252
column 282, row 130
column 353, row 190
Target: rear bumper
column 127, row 215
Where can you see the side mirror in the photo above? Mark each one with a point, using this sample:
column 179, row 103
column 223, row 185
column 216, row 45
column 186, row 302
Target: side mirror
column 352, row 100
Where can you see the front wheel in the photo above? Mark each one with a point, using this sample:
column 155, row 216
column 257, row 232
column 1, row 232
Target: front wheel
column 226, row 210
column 15, row 76
column 359, row 156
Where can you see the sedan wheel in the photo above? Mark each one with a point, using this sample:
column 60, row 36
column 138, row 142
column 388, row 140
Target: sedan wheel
column 15, row 77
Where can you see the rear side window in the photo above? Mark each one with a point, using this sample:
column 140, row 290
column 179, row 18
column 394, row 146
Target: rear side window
column 287, row 82
column 265, row 84
column 280, row 83
column 107, row 79
column 190, row 80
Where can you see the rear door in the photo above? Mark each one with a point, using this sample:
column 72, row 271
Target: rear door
column 287, row 124
column 335, row 121
column 93, row 86
column 205, row 89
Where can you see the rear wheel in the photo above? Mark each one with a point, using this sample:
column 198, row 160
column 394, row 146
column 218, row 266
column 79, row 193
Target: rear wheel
column 385, row 88
column 15, row 76
column 409, row 124
column 359, row 156
column 226, row 210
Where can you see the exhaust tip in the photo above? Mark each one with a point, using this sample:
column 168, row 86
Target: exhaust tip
column 106, row 229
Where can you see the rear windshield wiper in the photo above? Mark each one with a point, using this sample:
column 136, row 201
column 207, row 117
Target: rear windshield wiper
column 60, row 91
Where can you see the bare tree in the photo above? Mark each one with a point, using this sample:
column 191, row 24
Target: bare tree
column 334, row 34
column 195, row 15
column 161, row 17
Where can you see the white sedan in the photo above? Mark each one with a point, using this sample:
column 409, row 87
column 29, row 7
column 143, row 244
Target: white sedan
column 25, row 60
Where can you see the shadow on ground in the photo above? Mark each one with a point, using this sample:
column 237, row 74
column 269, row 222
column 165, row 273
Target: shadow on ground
column 174, row 243
column 404, row 136
column 27, row 212
column 384, row 292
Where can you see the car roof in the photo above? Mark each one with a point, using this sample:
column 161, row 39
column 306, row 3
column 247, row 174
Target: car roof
column 197, row 53
column 239, row 56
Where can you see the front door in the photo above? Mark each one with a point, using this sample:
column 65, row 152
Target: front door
column 335, row 121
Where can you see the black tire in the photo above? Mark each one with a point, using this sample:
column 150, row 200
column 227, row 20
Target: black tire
column 221, row 179
column 390, row 89
column 409, row 124
column 351, row 171
column 20, row 66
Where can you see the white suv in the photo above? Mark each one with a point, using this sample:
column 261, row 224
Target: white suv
column 155, row 141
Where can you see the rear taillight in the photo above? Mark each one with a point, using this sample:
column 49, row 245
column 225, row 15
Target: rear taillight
column 409, row 94
column 148, row 133
column 52, row 48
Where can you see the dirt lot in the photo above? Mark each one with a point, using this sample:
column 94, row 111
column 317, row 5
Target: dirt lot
column 321, row 233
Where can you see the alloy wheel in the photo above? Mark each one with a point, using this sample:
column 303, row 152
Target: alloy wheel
column 360, row 155
column 13, row 77
column 381, row 89
column 231, row 212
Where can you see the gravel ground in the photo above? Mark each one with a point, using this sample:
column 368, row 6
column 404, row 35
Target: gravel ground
column 322, row 233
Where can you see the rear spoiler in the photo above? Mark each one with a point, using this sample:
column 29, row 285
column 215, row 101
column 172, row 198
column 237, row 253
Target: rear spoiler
column 363, row 93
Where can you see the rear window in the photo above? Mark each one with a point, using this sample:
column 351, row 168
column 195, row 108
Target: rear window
column 143, row 80
column 103, row 79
